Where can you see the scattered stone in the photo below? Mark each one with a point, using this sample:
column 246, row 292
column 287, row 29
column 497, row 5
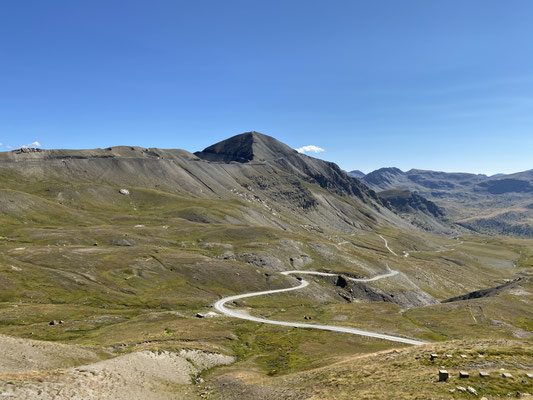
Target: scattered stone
column 461, row 388
column 463, row 374
column 210, row 314
column 463, row 356
column 61, row 321
column 529, row 376
column 300, row 261
column 507, row 375
column 227, row 255
column 483, row 374
column 433, row 356
column 471, row 390
column 125, row 192
column 449, row 356
column 139, row 226
column 484, row 398
column 53, row 322
column 95, row 244
column 176, row 313
column 443, row 375
column 122, row 242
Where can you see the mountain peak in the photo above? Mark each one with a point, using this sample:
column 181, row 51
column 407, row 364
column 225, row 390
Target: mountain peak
column 356, row 173
column 248, row 146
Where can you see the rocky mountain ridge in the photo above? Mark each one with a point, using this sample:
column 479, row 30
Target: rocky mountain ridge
column 498, row 204
column 283, row 185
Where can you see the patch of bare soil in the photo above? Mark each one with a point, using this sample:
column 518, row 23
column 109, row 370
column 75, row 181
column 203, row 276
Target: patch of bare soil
column 140, row 375
column 21, row 355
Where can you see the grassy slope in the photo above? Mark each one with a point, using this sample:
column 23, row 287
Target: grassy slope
column 146, row 296
column 404, row 373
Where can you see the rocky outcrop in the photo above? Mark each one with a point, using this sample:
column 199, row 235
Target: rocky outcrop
column 404, row 297
column 403, row 201
column 492, row 291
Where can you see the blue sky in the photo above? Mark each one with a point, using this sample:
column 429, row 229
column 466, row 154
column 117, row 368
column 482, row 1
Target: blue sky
column 444, row 85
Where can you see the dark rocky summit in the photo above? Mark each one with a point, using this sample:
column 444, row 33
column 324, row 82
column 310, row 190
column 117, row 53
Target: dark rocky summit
column 246, row 147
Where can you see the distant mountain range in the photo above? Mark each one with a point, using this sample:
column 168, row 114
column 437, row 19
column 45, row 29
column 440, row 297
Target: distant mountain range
column 356, row 173
column 499, row 204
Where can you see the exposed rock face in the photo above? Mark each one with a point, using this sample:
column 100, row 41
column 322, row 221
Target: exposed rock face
column 300, row 261
column 418, row 210
column 406, row 298
column 493, row 291
column 499, row 204
column 292, row 190
column 404, row 201
column 264, row 260
column 256, row 147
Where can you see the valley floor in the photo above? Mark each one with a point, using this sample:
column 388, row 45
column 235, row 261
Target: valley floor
column 133, row 279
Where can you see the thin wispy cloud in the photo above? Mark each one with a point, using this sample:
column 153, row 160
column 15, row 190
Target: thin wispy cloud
column 1, row 144
column 309, row 149
column 35, row 144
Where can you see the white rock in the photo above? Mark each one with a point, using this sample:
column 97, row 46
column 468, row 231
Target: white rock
column 210, row 314
column 471, row 390
column 124, row 191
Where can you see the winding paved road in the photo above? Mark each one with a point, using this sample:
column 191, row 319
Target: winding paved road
column 221, row 307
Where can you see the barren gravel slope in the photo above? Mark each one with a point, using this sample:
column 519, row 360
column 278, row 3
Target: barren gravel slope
column 29, row 369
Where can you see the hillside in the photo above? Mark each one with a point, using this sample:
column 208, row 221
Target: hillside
column 494, row 205
column 419, row 211
column 280, row 181
column 111, row 262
